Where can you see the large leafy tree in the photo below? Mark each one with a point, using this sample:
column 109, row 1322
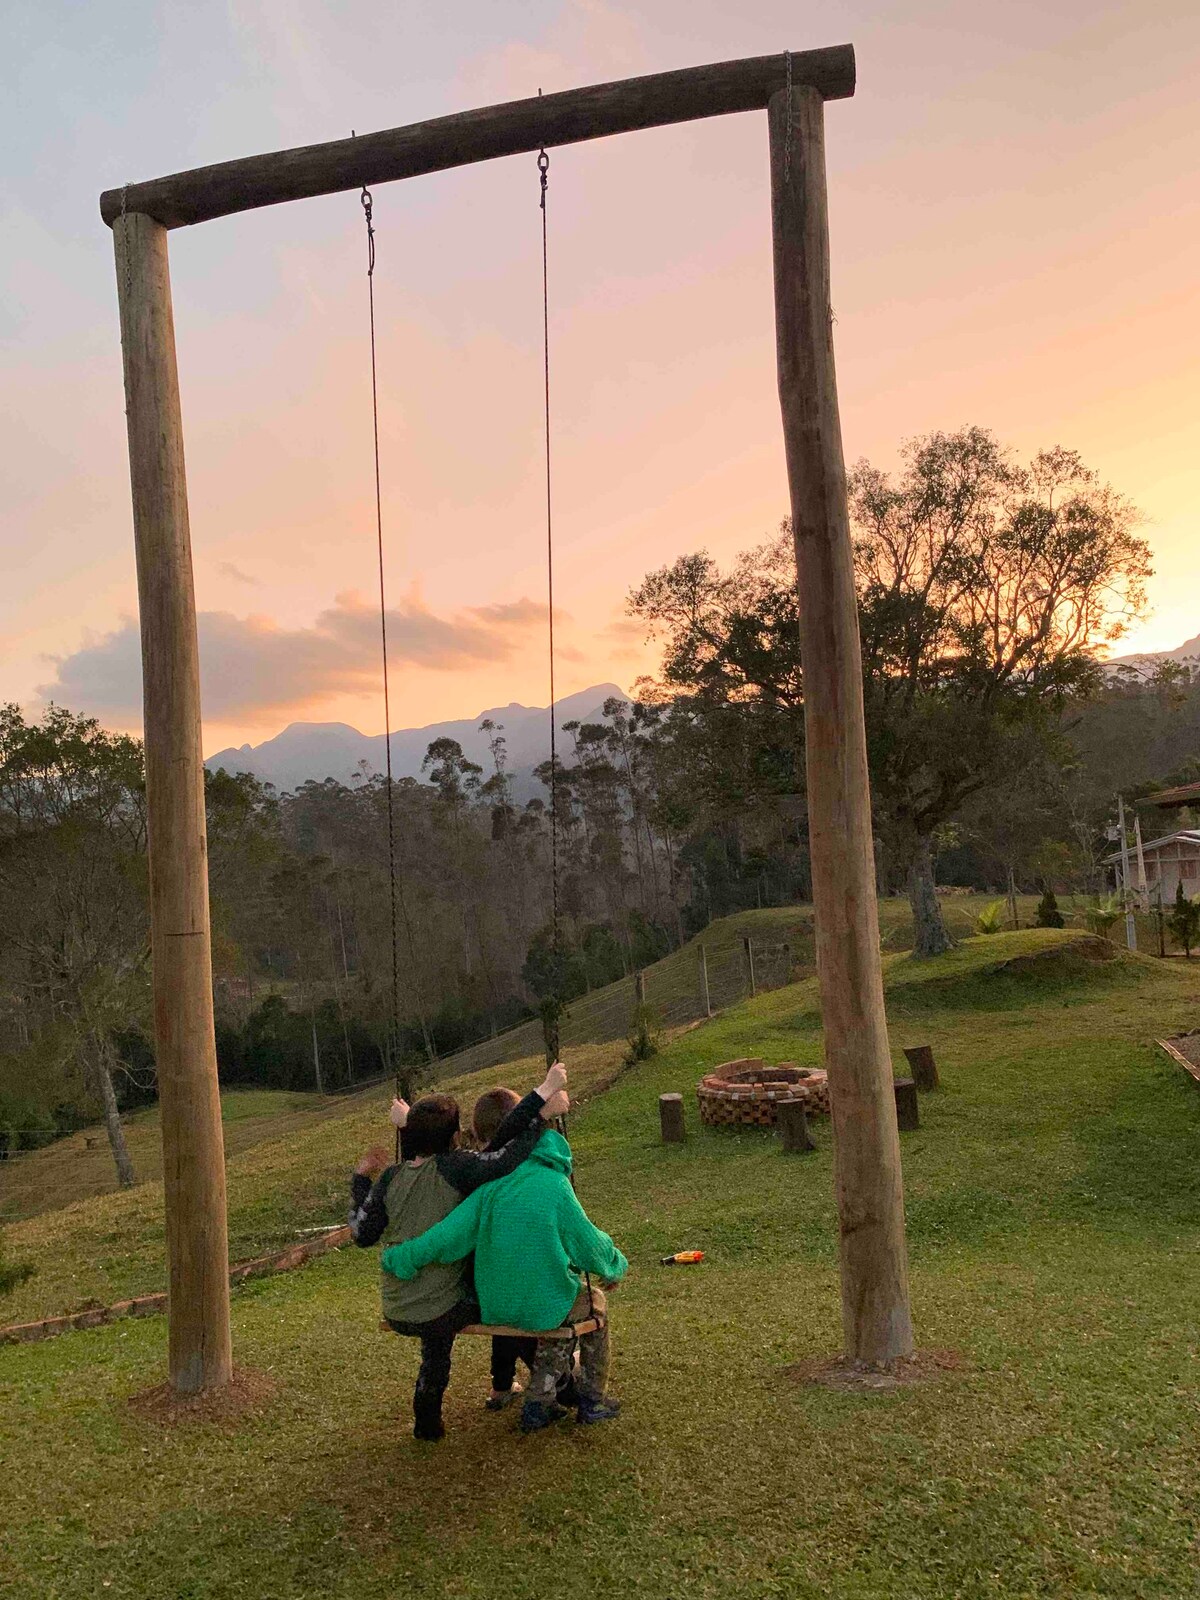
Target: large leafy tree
column 74, row 938
column 986, row 588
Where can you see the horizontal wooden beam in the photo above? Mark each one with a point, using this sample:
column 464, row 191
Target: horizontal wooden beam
column 522, row 125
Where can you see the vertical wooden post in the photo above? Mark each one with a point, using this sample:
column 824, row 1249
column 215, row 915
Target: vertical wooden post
column 639, row 988
column 199, row 1353
column 749, row 948
column 908, row 1110
column 670, row 1118
column 704, row 981
column 924, row 1067
column 876, row 1319
column 791, row 1118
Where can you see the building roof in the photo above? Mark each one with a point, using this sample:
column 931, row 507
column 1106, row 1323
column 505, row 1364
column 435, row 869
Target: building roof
column 1185, row 794
column 1183, row 836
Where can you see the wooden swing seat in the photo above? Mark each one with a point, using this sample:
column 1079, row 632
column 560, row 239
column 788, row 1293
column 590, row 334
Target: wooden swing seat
column 569, row 1330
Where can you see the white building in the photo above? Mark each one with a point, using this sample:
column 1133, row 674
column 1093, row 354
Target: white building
column 1170, row 861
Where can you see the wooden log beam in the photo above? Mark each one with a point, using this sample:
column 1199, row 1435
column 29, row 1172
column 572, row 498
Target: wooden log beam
column 569, row 117
column 199, row 1355
column 876, row 1320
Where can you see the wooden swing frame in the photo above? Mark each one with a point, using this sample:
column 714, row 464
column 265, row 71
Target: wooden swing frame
column 792, row 88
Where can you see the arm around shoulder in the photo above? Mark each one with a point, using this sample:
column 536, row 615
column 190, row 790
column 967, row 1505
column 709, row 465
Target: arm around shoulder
column 447, row 1241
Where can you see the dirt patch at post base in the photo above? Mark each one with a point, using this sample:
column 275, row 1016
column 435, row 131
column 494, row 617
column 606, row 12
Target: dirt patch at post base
column 246, row 1394
column 851, row 1377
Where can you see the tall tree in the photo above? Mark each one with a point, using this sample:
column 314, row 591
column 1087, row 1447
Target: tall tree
column 73, row 892
column 986, row 589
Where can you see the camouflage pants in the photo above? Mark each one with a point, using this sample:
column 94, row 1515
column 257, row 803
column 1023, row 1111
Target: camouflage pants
column 554, row 1356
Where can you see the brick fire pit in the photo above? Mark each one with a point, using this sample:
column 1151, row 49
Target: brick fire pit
column 745, row 1093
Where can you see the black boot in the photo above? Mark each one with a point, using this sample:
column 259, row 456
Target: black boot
column 427, row 1416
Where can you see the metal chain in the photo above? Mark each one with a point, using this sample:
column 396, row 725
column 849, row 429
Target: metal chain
column 395, row 889
column 554, row 1002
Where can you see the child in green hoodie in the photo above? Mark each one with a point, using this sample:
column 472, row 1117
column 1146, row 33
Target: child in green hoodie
column 533, row 1244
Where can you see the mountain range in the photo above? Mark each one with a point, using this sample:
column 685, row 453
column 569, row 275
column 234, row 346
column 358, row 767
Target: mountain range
column 321, row 750
column 335, row 750
column 1146, row 661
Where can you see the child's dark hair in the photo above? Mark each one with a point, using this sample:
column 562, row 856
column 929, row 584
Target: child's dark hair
column 490, row 1111
column 432, row 1124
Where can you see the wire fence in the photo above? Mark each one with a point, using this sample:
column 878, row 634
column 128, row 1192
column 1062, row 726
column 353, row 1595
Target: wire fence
column 686, row 986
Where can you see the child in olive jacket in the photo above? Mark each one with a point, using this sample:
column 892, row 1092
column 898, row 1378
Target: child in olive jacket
column 533, row 1245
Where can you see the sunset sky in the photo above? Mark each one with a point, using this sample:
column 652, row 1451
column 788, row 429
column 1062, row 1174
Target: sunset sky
column 1016, row 227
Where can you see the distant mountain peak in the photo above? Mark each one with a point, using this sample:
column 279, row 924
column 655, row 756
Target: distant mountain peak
column 320, row 750
column 1189, row 650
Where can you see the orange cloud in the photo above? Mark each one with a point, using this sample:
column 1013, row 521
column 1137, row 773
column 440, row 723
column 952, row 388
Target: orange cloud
column 254, row 670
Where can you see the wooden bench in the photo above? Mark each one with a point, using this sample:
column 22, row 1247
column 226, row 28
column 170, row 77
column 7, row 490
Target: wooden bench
column 569, row 1330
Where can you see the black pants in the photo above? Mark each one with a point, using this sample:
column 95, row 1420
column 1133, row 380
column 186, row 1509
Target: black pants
column 437, row 1344
column 506, row 1352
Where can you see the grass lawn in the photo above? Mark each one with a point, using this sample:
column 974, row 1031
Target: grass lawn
column 82, row 1166
column 1054, row 1225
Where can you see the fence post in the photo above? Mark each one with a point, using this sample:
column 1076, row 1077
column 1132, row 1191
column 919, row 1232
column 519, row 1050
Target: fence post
column 639, row 988
column 750, row 964
column 704, row 981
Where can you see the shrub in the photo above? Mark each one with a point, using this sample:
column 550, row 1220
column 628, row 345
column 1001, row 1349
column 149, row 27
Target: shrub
column 1104, row 913
column 1048, row 914
column 991, row 918
column 1184, row 921
column 643, row 1035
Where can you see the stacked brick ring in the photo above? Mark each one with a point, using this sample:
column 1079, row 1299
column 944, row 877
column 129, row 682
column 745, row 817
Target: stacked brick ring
column 746, row 1092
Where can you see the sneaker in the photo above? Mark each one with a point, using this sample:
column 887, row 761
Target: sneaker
column 501, row 1402
column 429, row 1431
column 598, row 1410
column 536, row 1415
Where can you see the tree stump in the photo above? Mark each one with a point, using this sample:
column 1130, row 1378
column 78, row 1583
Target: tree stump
column 791, row 1118
column 924, row 1067
column 670, row 1116
column 908, row 1115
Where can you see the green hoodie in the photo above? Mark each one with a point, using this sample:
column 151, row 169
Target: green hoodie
column 532, row 1242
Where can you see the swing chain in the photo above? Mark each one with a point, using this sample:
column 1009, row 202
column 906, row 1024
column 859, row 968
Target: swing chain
column 552, row 1005
column 368, row 205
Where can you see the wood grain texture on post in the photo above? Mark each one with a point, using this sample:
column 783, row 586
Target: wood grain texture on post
column 199, row 1352
column 876, row 1318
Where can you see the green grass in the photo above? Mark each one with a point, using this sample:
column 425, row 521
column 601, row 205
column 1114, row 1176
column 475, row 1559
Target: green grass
column 1053, row 1194
column 81, row 1166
